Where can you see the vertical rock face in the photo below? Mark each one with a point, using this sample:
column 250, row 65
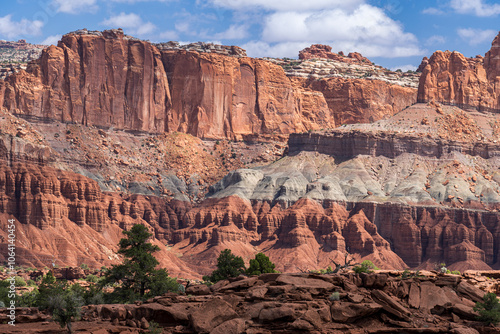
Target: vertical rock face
column 361, row 101
column 451, row 78
column 112, row 80
column 103, row 79
column 220, row 96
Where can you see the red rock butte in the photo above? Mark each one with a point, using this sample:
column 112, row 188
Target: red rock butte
column 470, row 83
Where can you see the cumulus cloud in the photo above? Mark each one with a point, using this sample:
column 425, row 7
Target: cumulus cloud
column 435, row 39
column 279, row 50
column 51, row 40
column 476, row 7
column 433, row 11
column 170, row 35
column 11, row 29
column 366, row 29
column 131, row 23
column 233, row 32
column 75, row 6
column 287, row 5
column 476, row 36
column 405, row 68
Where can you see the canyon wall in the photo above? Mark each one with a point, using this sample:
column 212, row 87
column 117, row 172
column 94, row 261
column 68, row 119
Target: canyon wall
column 350, row 144
column 108, row 79
column 101, row 79
column 217, row 96
column 470, row 83
column 360, row 100
column 305, row 234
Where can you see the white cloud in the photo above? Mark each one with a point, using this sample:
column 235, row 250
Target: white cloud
column 405, row 68
column 366, row 29
column 75, row 6
column 182, row 27
column 131, row 23
column 51, row 40
column 279, row 50
column 170, row 35
column 288, row 5
column 476, row 7
column 10, row 29
column 433, row 11
column 233, row 32
column 435, row 39
column 476, row 36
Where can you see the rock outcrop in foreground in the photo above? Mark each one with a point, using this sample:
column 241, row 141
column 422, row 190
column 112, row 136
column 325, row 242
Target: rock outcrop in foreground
column 293, row 303
column 470, row 83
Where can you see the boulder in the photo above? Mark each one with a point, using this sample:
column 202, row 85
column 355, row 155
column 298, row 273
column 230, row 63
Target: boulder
column 350, row 312
column 210, row 315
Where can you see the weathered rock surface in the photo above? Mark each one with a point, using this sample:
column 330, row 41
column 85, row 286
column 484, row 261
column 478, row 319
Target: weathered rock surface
column 387, row 309
column 215, row 96
column 359, row 100
column 470, row 83
column 111, row 80
column 108, row 79
column 325, row 51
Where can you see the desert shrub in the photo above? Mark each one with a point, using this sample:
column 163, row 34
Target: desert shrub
column 20, row 282
column 84, row 266
column 92, row 278
column 260, row 265
column 228, row 265
column 489, row 309
column 335, row 296
column 65, row 307
column 366, row 266
column 155, row 328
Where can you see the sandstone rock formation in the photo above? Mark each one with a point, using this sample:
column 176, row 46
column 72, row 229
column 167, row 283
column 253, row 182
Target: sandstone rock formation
column 383, row 302
column 107, row 79
column 325, row 51
column 104, row 80
column 111, row 80
column 471, row 83
column 215, row 96
column 359, row 100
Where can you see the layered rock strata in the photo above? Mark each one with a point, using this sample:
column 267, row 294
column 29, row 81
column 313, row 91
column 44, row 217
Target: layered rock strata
column 473, row 83
column 108, row 79
column 350, row 144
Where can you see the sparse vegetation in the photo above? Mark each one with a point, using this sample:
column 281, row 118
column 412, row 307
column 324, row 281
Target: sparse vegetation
column 228, row 265
column 335, row 296
column 260, row 265
column 137, row 274
column 366, row 266
column 489, row 309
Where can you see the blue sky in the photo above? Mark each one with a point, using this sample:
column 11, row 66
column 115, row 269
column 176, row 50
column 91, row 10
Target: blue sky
column 392, row 33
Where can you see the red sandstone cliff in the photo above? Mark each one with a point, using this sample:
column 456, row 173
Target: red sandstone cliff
column 451, row 78
column 103, row 79
column 325, row 52
column 219, row 96
column 111, row 80
column 361, row 101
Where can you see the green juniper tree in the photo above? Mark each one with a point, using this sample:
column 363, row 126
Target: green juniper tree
column 228, row 265
column 260, row 265
column 137, row 274
column 489, row 309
